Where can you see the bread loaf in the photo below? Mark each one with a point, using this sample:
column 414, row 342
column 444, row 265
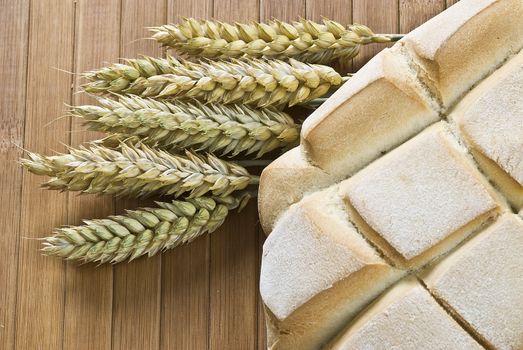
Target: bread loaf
column 383, row 105
column 431, row 180
column 284, row 182
column 317, row 272
column 396, row 225
column 491, row 121
column 460, row 46
column 481, row 284
column 398, row 92
column 405, row 317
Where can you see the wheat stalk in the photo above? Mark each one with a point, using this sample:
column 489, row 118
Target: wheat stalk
column 256, row 82
column 141, row 232
column 305, row 40
column 137, row 170
column 229, row 129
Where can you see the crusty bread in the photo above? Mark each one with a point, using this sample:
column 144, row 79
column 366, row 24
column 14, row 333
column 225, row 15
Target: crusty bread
column 460, row 46
column 397, row 181
column 491, row 121
column 432, row 181
column 401, row 90
column 317, row 272
column 512, row 189
column 482, row 283
column 344, row 134
column 405, row 317
column 284, row 182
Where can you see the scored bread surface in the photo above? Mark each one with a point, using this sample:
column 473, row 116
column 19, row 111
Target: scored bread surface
column 432, row 181
column 394, row 224
column 288, row 178
column 477, row 283
column 489, row 118
column 387, row 106
column 405, row 317
column 330, row 272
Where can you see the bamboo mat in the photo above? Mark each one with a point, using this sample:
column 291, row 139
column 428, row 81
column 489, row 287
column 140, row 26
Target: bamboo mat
column 200, row 296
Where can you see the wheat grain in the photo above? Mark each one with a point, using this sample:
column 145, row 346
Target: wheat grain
column 141, row 232
column 257, row 82
column 229, row 129
column 139, row 171
column 306, row 41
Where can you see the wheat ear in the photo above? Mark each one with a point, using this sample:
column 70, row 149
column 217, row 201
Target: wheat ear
column 306, row 41
column 141, row 232
column 229, row 129
column 138, row 171
column 257, row 82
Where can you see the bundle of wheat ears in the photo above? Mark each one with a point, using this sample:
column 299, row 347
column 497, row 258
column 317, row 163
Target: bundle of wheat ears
column 168, row 120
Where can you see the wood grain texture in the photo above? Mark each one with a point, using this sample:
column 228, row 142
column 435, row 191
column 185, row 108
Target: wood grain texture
column 233, row 283
column 14, row 27
column 137, row 286
column 262, row 329
column 185, row 270
column 177, row 9
column 414, row 13
column 41, row 283
column 292, row 11
column 200, row 296
column 185, row 297
column 89, row 290
column 234, row 247
column 337, row 10
column 380, row 15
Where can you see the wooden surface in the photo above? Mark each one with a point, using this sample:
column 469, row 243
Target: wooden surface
column 200, row 296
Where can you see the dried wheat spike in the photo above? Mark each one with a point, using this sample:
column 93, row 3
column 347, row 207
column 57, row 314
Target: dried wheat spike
column 143, row 231
column 306, row 41
column 256, row 82
column 174, row 125
column 139, row 171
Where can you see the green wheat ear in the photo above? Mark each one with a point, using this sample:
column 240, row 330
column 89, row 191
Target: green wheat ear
column 175, row 125
column 306, row 41
column 256, row 82
column 143, row 231
column 139, row 171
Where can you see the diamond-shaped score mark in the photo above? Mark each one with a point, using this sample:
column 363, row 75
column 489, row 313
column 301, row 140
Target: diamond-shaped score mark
column 490, row 120
column 404, row 317
column 324, row 259
column 482, row 283
column 420, row 200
